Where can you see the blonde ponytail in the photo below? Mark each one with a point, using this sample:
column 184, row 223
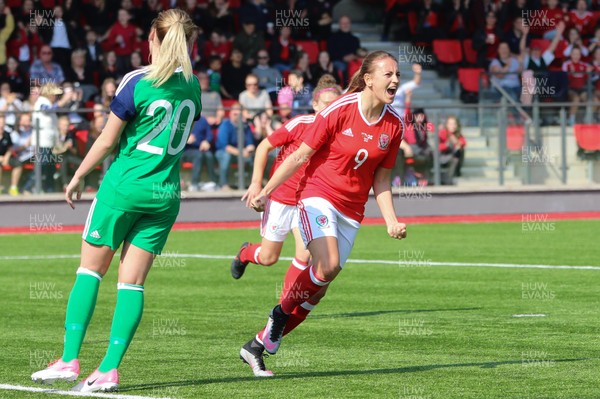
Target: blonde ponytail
column 176, row 33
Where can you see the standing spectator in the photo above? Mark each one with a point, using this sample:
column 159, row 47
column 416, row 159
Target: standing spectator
column 234, row 76
column 452, row 149
column 9, row 104
column 574, row 40
column 221, row 17
column 94, row 52
column 269, row 78
column 283, row 50
column 122, row 39
column 578, row 77
column 17, row 79
column 296, row 93
column 80, row 74
column 323, row 66
column 212, row 106
column 44, row 71
column 249, row 42
column 67, row 151
column 342, row 45
column 198, row 150
column 21, row 139
column 5, row 31
column 487, row 40
column 5, row 148
column 59, row 35
column 320, row 18
column 227, row 145
column 416, row 136
column 582, row 19
column 254, row 100
column 505, row 70
column 428, row 21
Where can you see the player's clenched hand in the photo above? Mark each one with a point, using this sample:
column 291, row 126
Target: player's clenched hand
column 259, row 202
column 251, row 193
column 75, row 186
column 397, row 230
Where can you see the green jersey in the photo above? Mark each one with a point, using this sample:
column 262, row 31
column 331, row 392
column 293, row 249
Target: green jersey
column 144, row 175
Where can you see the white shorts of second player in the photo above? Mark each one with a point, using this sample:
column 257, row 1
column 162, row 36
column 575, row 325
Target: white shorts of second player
column 317, row 218
column 278, row 220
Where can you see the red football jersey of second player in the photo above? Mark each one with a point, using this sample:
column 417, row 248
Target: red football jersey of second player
column 348, row 152
column 289, row 137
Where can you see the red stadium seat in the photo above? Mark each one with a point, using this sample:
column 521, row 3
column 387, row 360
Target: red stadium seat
column 227, row 104
column 588, row 137
column 470, row 54
column 81, row 139
column 515, row 138
column 311, row 48
column 470, row 78
column 448, row 51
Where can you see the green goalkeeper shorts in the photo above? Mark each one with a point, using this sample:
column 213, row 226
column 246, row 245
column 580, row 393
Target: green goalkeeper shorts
column 110, row 227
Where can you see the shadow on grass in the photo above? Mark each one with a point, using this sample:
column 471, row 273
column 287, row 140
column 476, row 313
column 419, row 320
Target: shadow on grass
column 380, row 312
column 335, row 373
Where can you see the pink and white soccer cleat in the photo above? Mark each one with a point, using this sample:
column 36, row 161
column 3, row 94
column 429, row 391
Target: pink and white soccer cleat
column 99, row 382
column 57, row 371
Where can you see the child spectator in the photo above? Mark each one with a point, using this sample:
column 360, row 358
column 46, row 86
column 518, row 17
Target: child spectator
column 283, row 50
column 296, row 93
column 214, row 73
column 452, row 149
column 578, row 76
column 212, row 106
column 254, row 100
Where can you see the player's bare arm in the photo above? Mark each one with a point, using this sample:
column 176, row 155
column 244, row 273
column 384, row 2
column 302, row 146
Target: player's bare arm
column 260, row 163
column 383, row 195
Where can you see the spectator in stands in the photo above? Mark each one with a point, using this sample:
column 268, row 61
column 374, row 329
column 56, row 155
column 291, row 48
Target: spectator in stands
column 23, row 13
column 135, row 60
column 428, row 21
column 595, row 40
column 122, row 38
column 107, row 92
column 94, row 53
column 400, row 99
column 296, row 93
column 257, row 11
column 34, row 94
column 355, row 64
column 102, row 15
column 416, row 136
column 516, row 35
column 578, row 74
column 342, row 45
column 550, row 16
column 452, row 149
column 269, row 78
column 74, row 94
column 263, row 126
column 234, row 74
column 303, row 65
column 17, row 79
column 72, row 17
column 596, row 80
column 487, row 40
column 323, row 66
column 215, row 66
column 43, row 70
column 79, row 73
column 283, row 50
column 574, row 40
column 227, row 145
column 66, row 151
column 23, row 149
column 6, row 145
column 320, row 18
column 94, row 132
column 220, row 17
column 582, row 19
column 284, row 113
column 505, row 70
column 198, row 150
column 212, row 106
column 5, row 31
column 249, row 41
column 59, row 35
column 456, row 19
column 9, row 104
column 216, row 46
column 109, row 67
column 254, row 100
column 24, row 43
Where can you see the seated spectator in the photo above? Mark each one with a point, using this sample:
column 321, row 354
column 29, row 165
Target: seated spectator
column 103, row 15
column 221, row 17
column 249, row 41
column 320, row 18
column 12, row 74
column 269, row 78
column 256, row 11
column 93, row 51
column 516, row 35
column 505, row 70
column 72, row 100
column 234, row 76
column 550, row 16
column 578, row 77
column 283, row 50
column 212, row 106
column 109, row 67
column 60, row 37
column 416, row 136
column 216, row 46
column 263, row 126
column 34, row 94
column 342, row 46
column 428, row 21
column 574, row 40
column 595, row 40
column 198, row 150
column 215, row 66
column 323, row 66
column 23, row 149
column 355, row 64
column 254, row 100
column 227, row 145
column 6, row 145
column 43, row 70
column 487, row 40
column 9, row 104
column 457, row 19
column 582, row 19
column 122, row 38
column 452, row 149
column 81, row 75
column 66, row 151
column 284, row 113
column 406, row 89
column 135, row 60
column 107, row 92
column 296, row 93
column 303, row 65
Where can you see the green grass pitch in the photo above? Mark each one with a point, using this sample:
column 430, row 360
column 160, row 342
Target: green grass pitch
column 409, row 330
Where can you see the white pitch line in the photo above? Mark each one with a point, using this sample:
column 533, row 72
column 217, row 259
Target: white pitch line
column 71, row 393
column 529, row 315
column 416, row 263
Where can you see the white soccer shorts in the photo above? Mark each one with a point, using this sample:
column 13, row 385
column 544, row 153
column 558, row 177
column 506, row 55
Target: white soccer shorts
column 278, row 220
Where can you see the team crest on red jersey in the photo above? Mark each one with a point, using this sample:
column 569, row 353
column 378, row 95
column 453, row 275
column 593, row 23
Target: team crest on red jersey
column 384, row 141
column 322, row 221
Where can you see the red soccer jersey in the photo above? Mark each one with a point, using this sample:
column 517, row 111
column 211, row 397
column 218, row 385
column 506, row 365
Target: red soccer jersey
column 289, row 137
column 348, row 151
column 577, row 74
column 584, row 23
